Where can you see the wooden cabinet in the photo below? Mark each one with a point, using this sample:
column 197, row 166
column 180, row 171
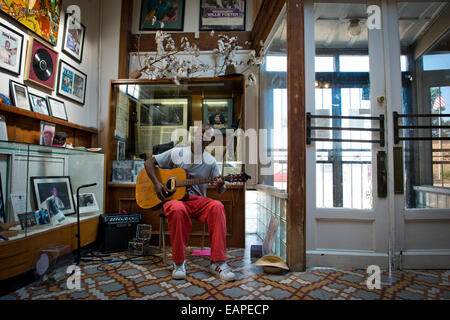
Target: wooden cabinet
column 130, row 112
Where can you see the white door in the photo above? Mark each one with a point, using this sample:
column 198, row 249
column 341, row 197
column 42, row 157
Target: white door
column 348, row 216
column 370, row 203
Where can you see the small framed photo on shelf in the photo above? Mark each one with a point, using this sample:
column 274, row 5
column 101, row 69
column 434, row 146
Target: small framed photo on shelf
column 19, row 95
column 11, row 44
column 38, row 104
column 122, row 171
column 71, row 83
column 162, row 15
column 88, row 203
column 41, row 64
column 47, row 133
column 74, row 32
column 53, row 194
column 120, row 150
column 218, row 113
column 57, row 108
column 3, row 129
column 222, row 15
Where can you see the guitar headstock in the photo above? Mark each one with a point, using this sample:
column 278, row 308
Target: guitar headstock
column 241, row 177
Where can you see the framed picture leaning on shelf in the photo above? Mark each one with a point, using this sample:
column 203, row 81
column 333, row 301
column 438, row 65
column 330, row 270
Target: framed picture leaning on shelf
column 57, row 108
column 162, row 15
column 53, row 194
column 73, row 43
column 19, row 95
column 11, row 44
column 88, row 203
column 218, row 113
column 39, row 104
column 71, row 83
column 47, row 133
column 222, row 15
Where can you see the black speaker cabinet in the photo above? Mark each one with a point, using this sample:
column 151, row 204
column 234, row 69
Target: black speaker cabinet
column 118, row 230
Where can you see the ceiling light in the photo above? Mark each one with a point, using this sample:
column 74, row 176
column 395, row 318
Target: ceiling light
column 354, row 28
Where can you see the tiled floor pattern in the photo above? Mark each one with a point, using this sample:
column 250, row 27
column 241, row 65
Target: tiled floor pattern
column 149, row 279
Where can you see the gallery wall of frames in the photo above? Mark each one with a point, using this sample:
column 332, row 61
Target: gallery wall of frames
column 49, row 61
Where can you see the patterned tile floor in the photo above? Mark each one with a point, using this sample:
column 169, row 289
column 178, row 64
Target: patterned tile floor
column 149, row 279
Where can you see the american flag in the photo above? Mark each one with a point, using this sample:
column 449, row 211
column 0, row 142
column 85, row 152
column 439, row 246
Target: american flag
column 439, row 103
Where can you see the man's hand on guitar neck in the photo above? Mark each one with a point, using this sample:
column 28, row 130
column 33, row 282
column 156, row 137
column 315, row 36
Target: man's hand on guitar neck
column 219, row 183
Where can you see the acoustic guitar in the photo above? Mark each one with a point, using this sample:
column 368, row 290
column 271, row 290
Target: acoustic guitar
column 176, row 182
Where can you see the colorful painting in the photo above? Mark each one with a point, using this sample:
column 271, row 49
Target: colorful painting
column 40, row 16
column 162, row 15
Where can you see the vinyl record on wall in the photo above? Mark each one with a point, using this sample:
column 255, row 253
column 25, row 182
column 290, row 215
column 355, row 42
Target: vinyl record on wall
column 41, row 64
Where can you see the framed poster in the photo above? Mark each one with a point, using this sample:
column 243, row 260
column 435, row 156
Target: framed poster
column 222, row 15
column 162, row 15
column 11, row 44
column 42, row 17
column 53, row 194
column 73, row 43
column 38, row 104
column 71, row 83
column 57, row 108
column 218, row 113
column 19, row 95
column 41, row 64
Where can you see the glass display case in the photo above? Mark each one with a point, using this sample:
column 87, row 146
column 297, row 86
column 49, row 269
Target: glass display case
column 39, row 184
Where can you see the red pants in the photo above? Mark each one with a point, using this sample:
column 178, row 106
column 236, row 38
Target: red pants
column 205, row 210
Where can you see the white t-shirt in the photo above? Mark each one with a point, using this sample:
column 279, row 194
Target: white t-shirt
column 181, row 157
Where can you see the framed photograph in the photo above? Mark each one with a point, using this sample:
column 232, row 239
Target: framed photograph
column 42, row 17
column 218, row 113
column 57, row 108
column 47, row 133
column 120, row 150
column 53, row 194
column 3, row 129
column 11, row 44
column 88, row 203
column 41, row 64
column 122, row 171
column 19, row 95
column 222, row 15
column 74, row 32
column 71, row 83
column 162, row 15
column 38, row 104
column 171, row 112
column 2, row 203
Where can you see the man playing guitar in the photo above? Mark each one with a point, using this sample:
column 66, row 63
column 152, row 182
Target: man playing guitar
column 195, row 204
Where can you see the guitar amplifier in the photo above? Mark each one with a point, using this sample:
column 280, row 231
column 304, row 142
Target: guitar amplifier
column 117, row 230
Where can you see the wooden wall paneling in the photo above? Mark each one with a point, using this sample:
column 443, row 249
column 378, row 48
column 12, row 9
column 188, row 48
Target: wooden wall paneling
column 125, row 38
column 296, row 204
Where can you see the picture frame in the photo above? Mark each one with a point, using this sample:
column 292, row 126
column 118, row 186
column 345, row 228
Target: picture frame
column 57, row 108
column 171, row 18
column 164, row 112
column 88, row 202
column 120, row 150
column 47, row 133
column 53, row 194
column 73, row 40
column 2, row 203
column 71, row 83
column 19, row 95
column 215, row 15
column 3, row 129
column 44, row 23
column 11, row 47
column 41, row 64
column 218, row 113
column 38, row 104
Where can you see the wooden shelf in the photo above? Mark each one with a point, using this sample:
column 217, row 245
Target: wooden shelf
column 33, row 115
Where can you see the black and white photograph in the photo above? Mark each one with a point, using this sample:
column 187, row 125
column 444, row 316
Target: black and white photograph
column 11, row 44
column 88, row 202
column 120, row 150
column 57, row 108
column 53, row 194
column 39, row 104
column 19, row 95
column 71, row 83
column 74, row 32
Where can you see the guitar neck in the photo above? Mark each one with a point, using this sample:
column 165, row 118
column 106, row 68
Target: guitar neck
column 192, row 182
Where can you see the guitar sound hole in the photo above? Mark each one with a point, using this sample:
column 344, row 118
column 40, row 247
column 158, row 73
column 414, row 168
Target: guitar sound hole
column 170, row 186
